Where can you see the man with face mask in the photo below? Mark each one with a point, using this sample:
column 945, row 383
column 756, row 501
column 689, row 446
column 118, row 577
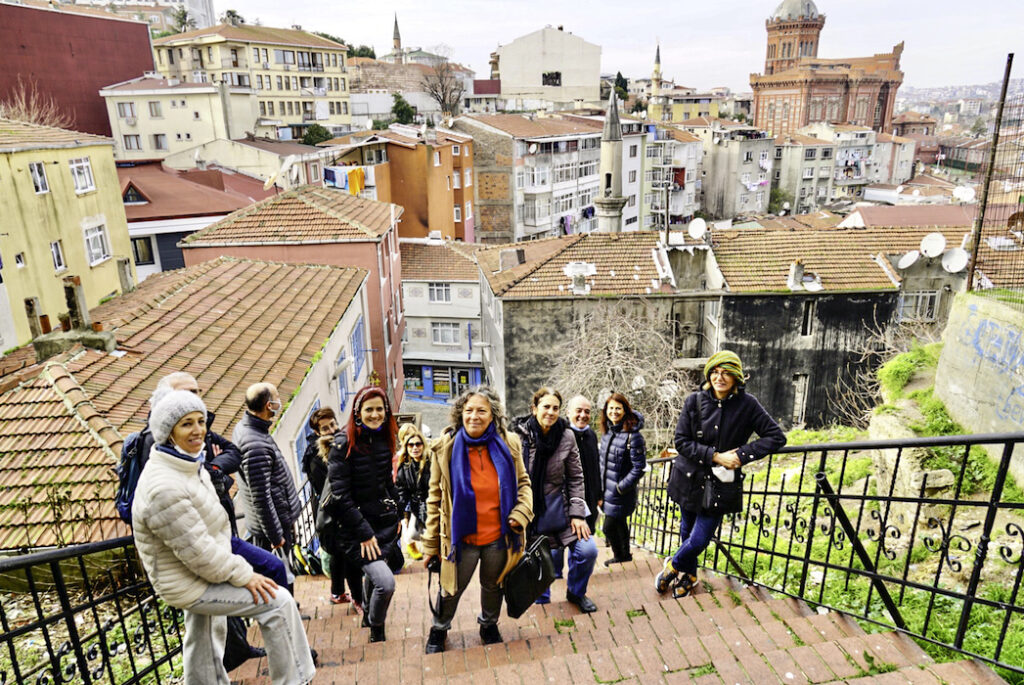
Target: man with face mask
column 266, row 485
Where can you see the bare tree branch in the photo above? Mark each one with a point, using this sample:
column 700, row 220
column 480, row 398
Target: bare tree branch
column 25, row 103
column 611, row 350
column 443, row 83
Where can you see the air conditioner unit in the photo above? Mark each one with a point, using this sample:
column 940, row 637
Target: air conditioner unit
column 131, row 121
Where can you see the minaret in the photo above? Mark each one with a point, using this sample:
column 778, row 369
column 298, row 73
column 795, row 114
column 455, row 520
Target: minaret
column 656, row 74
column 609, row 201
column 399, row 58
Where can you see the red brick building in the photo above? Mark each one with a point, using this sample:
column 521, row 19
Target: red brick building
column 914, row 122
column 69, row 53
column 797, row 88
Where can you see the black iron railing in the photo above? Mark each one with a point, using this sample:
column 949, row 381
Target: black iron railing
column 84, row 614
column 923, row 536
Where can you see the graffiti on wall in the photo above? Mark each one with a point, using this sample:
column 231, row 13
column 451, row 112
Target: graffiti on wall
column 1001, row 346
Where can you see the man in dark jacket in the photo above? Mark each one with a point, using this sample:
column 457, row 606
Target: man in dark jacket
column 267, row 486
column 579, row 409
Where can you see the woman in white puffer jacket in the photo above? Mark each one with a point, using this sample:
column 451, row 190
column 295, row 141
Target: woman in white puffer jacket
column 183, row 538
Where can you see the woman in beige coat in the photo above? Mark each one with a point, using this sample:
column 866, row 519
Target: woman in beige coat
column 478, row 508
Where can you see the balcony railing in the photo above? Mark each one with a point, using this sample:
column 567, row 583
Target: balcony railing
column 920, row 536
column 87, row 614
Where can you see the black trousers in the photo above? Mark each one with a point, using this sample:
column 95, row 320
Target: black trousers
column 616, row 532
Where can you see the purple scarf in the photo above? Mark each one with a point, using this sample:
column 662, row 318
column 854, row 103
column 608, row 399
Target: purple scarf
column 463, row 497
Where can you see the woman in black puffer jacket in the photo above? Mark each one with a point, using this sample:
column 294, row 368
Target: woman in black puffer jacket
column 711, row 441
column 623, row 460
column 365, row 501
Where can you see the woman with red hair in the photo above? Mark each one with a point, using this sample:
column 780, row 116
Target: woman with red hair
column 364, row 501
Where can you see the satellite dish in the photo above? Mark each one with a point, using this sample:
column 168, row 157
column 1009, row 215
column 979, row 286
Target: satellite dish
column 907, row 260
column 533, row 148
column 933, row 244
column 269, row 183
column 964, row 193
column 698, row 227
column 955, row 260
column 369, row 124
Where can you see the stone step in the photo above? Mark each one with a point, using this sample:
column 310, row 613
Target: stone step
column 725, row 633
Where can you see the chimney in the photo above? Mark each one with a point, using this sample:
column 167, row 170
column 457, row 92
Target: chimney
column 35, row 325
column 510, row 257
column 124, row 274
column 74, row 296
column 50, row 344
column 796, row 275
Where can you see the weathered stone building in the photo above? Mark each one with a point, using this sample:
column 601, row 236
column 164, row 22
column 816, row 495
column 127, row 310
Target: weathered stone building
column 797, row 88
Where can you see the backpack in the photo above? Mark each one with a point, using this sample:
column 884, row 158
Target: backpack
column 128, row 470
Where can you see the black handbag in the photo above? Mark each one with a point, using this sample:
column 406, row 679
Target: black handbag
column 324, row 519
column 723, row 498
column 554, row 519
column 529, row 578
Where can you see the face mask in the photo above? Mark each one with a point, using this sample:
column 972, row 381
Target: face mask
column 273, row 409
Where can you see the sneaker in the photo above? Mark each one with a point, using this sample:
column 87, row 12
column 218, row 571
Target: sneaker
column 435, row 641
column 413, row 551
column 343, row 598
column 667, row 577
column 490, row 634
column 684, row 586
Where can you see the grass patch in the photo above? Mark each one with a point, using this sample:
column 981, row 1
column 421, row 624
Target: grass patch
column 877, row 667
column 897, row 372
column 564, row 624
column 735, row 597
column 833, row 433
column 633, row 613
column 707, row 669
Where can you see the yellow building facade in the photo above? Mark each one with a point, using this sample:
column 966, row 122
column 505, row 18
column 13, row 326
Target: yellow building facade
column 61, row 215
column 152, row 117
column 300, row 79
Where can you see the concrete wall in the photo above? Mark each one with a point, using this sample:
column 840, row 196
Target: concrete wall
column 524, row 61
column 493, row 160
column 980, row 376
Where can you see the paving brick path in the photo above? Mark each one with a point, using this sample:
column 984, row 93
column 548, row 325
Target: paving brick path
column 724, row 634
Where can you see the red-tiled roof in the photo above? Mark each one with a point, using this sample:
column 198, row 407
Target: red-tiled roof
column 228, row 322
column 173, row 196
column 758, row 260
column 624, row 265
column 912, row 118
column 436, row 262
column 309, row 213
column 254, row 34
column 20, row 135
column 523, row 126
column 56, row 479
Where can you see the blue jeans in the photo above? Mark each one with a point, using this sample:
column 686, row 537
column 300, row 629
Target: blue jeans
column 263, row 562
column 582, row 558
column 696, row 531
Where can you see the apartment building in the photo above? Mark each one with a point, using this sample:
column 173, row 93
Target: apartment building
column 63, row 218
column 551, row 65
column 152, row 117
column 894, row 159
column 672, row 169
column 537, row 176
column 854, row 156
column 737, row 167
column 300, row 79
column 804, row 169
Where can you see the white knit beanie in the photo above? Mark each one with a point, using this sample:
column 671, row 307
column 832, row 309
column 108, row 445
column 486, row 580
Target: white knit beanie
column 170, row 409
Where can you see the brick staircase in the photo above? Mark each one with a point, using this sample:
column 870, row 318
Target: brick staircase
column 724, row 634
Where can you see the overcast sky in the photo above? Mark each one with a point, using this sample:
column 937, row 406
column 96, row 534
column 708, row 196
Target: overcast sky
column 703, row 44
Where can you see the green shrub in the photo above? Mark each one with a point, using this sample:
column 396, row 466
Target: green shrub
column 897, row 372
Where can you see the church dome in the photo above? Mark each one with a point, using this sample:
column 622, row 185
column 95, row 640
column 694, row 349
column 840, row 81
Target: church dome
column 789, row 10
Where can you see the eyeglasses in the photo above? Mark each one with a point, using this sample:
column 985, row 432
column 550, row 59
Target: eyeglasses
column 414, row 444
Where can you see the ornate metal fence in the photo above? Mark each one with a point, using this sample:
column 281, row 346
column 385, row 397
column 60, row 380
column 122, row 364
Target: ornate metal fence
column 84, row 614
column 924, row 536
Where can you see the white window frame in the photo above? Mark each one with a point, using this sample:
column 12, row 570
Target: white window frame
column 469, row 211
column 456, row 150
column 39, row 182
column 156, row 112
column 437, row 158
column 458, row 213
column 126, row 110
column 81, row 175
column 456, row 179
column 445, row 333
column 97, row 244
column 314, row 172
column 439, row 292
column 57, row 252
column 468, row 177
column 132, row 141
column 159, row 141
